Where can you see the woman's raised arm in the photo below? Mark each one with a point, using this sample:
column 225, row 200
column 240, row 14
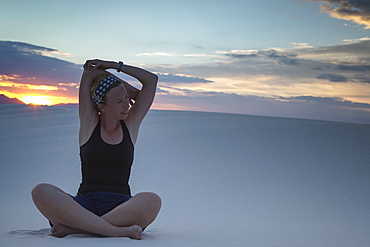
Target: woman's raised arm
column 144, row 98
column 87, row 112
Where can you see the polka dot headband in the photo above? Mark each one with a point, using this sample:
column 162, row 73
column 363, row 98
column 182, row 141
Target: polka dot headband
column 102, row 89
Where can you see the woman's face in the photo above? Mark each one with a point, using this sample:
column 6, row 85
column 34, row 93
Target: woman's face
column 118, row 103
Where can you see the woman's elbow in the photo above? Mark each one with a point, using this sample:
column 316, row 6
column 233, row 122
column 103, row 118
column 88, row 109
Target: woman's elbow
column 153, row 79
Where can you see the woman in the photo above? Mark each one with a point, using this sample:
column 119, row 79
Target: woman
column 108, row 131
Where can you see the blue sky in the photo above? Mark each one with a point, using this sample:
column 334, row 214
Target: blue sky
column 305, row 59
column 88, row 28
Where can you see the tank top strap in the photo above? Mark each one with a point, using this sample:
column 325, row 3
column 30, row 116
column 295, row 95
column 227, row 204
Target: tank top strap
column 126, row 132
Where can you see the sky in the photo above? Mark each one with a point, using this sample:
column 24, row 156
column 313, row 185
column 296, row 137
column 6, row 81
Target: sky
column 286, row 58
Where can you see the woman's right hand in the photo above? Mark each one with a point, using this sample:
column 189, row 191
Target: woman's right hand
column 132, row 92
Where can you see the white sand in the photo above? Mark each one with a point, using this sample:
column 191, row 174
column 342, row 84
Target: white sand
column 225, row 180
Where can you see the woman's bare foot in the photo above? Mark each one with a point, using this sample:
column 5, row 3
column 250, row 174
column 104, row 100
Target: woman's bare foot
column 60, row 231
column 133, row 232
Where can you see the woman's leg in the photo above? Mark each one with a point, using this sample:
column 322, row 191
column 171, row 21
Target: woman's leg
column 141, row 210
column 61, row 209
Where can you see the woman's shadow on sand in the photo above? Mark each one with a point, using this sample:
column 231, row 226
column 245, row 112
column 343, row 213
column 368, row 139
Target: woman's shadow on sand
column 41, row 232
column 148, row 234
column 45, row 232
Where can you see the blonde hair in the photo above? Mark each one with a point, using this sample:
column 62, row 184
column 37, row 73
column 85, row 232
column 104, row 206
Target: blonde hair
column 96, row 84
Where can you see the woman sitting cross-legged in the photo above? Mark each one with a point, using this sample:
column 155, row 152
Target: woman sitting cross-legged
column 109, row 126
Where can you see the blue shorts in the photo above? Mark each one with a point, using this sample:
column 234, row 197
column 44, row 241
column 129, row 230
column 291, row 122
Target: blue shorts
column 101, row 203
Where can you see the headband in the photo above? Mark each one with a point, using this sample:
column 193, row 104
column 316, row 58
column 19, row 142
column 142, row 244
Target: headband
column 102, row 89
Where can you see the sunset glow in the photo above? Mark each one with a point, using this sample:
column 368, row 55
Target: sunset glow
column 36, row 100
column 35, row 91
column 41, row 99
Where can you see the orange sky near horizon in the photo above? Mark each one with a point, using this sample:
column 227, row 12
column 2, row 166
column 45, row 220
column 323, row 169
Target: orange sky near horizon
column 38, row 94
column 40, row 99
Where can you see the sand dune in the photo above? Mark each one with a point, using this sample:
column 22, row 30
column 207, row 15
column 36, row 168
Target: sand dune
column 225, row 179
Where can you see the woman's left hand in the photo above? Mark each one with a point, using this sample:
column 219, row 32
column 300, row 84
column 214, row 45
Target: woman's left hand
column 97, row 63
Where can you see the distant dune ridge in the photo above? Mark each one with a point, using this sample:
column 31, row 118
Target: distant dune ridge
column 225, row 179
column 7, row 100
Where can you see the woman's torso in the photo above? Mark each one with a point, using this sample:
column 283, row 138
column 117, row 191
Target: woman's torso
column 106, row 167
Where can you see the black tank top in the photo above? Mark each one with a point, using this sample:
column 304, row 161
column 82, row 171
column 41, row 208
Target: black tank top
column 106, row 167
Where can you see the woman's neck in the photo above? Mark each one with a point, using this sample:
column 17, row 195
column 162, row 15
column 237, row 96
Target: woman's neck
column 110, row 125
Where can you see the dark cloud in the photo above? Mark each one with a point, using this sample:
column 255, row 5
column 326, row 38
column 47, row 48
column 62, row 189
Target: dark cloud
column 24, row 48
column 359, row 48
column 180, row 79
column 241, row 56
column 351, row 58
column 361, row 78
column 364, row 78
column 317, row 68
column 288, row 59
column 354, row 67
column 341, row 78
column 332, row 77
column 357, row 11
column 328, row 101
column 27, row 60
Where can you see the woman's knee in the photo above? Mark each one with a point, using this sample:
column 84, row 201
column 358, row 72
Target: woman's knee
column 151, row 200
column 39, row 189
column 42, row 191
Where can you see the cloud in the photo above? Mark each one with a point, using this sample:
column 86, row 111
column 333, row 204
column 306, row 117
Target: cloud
column 361, row 78
column 334, row 102
column 159, row 53
column 166, row 77
column 189, row 55
column 27, row 69
column 202, row 55
column 341, row 78
column 283, row 66
column 273, row 54
column 27, row 86
column 357, row 11
column 336, row 71
column 332, row 77
column 28, row 61
column 331, row 83
column 354, row 67
column 240, row 56
column 301, row 44
column 349, row 56
column 357, row 50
